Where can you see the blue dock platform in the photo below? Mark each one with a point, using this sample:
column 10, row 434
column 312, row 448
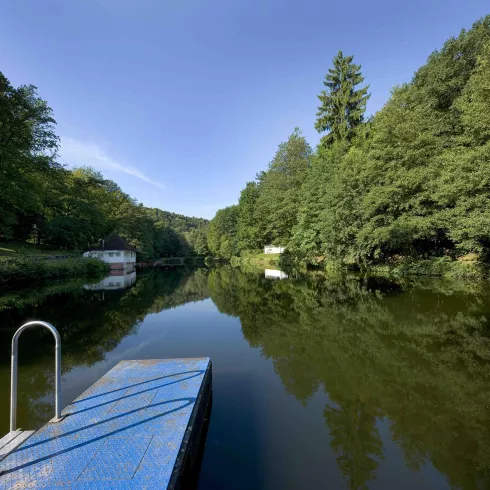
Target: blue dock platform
column 137, row 427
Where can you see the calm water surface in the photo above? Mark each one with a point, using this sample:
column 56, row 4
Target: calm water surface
column 341, row 383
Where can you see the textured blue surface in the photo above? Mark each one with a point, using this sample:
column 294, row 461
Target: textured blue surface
column 124, row 432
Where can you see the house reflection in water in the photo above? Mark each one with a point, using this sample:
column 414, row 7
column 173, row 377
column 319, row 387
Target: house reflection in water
column 275, row 274
column 117, row 279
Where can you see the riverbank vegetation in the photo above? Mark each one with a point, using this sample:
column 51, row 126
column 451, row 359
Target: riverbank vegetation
column 406, row 189
column 22, row 269
column 44, row 201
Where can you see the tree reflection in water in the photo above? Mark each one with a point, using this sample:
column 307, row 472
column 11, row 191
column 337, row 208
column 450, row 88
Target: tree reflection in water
column 417, row 354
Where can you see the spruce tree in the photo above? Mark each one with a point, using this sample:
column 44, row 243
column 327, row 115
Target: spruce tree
column 342, row 107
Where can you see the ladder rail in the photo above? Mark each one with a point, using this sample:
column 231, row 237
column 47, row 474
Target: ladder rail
column 14, row 369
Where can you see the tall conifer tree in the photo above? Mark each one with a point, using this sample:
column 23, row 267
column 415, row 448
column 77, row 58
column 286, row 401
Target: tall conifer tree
column 342, row 106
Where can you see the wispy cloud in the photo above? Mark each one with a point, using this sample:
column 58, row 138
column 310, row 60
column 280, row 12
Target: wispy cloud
column 77, row 153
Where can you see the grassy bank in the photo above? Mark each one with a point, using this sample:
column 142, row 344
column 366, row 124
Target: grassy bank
column 22, row 269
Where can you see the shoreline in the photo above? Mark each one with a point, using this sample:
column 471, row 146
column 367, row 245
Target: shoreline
column 18, row 270
column 438, row 267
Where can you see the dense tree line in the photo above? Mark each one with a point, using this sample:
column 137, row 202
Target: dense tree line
column 42, row 200
column 411, row 182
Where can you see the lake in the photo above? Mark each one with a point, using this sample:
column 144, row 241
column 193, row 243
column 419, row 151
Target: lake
column 318, row 382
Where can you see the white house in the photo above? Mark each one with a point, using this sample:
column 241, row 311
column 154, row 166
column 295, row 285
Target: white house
column 115, row 251
column 272, row 249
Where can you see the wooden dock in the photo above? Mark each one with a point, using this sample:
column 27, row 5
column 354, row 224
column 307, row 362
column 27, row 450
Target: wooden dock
column 139, row 426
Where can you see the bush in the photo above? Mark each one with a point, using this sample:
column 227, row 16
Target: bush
column 22, row 269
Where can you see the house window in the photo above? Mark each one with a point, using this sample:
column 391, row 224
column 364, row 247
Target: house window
column 111, row 254
column 118, row 254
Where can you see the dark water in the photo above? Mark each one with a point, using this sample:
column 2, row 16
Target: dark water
column 341, row 383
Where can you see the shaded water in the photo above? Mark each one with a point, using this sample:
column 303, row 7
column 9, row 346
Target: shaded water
column 318, row 383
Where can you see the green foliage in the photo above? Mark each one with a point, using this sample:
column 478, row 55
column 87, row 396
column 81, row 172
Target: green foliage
column 178, row 235
column 342, row 106
column 134, row 224
column 74, row 207
column 318, row 216
column 221, row 234
column 197, row 240
column 19, row 269
column 28, row 148
column 248, row 229
column 30, row 248
column 411, row 184
column 276, row 210
column 267, row 209
column 463, row 191
column 422, row 186
column 306, row 234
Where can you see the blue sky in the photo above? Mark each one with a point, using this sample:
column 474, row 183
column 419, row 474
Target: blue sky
column 181, row 102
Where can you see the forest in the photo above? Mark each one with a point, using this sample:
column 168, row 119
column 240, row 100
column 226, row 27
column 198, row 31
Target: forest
column 42, row 200
column 410, row 183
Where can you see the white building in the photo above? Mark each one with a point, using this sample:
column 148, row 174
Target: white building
column 115, row 251
column 272, row 249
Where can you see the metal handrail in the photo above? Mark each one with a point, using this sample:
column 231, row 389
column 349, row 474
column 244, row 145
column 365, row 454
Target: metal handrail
column 13, row 377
